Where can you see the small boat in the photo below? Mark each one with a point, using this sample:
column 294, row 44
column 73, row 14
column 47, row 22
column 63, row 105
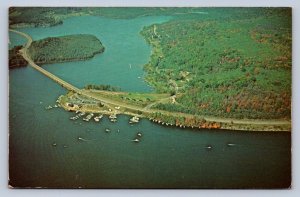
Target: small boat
column 107, row 130
column 49, row 107
column 208, row 147
column 112, row 116
column 118, row 107
column 54, row 144
column 230, row 144
column 134, row 119
column 139, row 134
column 88, row 117
column 113, row 120
column 136, row 140
column 81, row 139
column 97, row 118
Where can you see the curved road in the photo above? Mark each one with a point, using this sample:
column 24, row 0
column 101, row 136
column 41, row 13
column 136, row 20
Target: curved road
column 40, row 69
column 65, row 84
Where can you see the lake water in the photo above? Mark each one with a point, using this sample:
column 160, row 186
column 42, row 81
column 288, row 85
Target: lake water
column 165, row 157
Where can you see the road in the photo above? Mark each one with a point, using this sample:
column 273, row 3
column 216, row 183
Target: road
column 147, row 109
column 87, row 93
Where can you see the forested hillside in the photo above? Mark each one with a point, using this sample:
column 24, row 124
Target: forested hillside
column 238, row 65
column 51, row 16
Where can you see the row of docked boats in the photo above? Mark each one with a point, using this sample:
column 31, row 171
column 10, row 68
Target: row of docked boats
column 112, row 117
column 87, row 118
column 79, row 114
column 54, row 106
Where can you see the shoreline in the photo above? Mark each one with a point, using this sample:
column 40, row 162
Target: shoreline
column 209, row 122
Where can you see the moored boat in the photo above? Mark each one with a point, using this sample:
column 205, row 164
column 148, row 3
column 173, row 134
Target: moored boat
column 136, row 140
column 134, row 119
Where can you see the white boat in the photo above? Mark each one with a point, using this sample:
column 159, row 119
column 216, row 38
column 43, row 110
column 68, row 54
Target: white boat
column 136, row 140
column 97, row 118
column 49, row 107
column 87, row 118
column 134, row 119
column 112, row 116
column 113, row 120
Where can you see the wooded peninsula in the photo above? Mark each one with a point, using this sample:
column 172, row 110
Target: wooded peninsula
column 58, row 49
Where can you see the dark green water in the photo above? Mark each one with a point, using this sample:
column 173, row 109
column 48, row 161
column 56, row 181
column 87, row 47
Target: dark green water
column 165, row 158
